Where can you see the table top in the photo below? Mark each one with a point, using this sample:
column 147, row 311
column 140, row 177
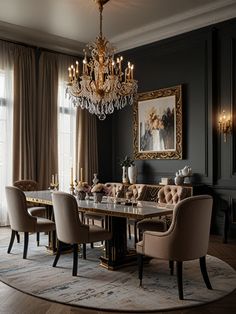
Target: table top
column 107, row 207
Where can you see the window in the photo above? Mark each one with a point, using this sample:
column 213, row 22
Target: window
column 6, row 101
column 66, row 137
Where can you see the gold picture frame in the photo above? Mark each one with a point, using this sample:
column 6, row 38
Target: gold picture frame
column 158, row 124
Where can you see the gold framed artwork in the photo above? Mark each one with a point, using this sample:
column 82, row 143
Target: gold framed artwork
column 158, row 124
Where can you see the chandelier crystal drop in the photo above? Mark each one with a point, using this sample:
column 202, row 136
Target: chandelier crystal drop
column 102, row 86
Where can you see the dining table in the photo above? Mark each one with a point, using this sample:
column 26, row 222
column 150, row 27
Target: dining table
column 116, row 213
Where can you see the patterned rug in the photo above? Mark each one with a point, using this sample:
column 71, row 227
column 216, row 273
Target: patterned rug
column 98, row 288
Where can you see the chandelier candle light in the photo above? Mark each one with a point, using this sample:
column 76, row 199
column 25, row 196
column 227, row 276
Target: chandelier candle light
column 225, row 125
column 102, row 86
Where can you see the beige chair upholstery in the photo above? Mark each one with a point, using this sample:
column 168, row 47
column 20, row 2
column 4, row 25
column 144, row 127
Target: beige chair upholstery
column 31, row 185
column 168, row 194
column 38, row 211
column 71, row 230
column 116, row 190
column 136, row 191
column 171, row 194
column 186, row 239
column 21, row 220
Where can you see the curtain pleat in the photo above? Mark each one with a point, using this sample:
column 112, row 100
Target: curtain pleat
column 47, row 152
column 86, row 145
column 24, row 114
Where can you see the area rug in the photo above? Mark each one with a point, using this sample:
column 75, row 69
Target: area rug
column 100, row 289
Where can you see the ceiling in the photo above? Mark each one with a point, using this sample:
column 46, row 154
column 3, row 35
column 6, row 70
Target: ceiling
column 67, row 25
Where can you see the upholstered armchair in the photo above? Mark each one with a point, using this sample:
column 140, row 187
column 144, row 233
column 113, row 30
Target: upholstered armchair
column 116, row 190
column 71, row 230
column 38, row 211
column 186, row 239
column 136, row 191
column 168, row 194
column 21, row 220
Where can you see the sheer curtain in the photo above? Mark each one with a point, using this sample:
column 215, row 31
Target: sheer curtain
column 66, row 127
column 6, row 124
column 77, row 135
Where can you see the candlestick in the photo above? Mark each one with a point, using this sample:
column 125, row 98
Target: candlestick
column 53, row 179
column 71, row 176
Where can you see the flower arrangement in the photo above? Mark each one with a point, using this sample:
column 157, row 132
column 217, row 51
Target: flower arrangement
column 83, row 187
column 127, row 162
column 101, row 188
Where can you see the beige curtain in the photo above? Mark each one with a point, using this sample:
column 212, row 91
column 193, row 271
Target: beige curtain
column 24, row 114
column 47, row 119
column 86, row 145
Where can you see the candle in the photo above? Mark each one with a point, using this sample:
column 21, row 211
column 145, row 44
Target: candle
column 53, row 179
column 77, row 67
column 81, row 174
column 132, row 72
column 112, row 67
column 56, row 179
column 71, row 176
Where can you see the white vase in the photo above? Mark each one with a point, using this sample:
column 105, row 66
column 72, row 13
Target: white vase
column 179, row 180
column 132, row 174
column 124, row 175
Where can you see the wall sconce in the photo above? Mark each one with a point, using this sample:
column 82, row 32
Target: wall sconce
column 225, row 125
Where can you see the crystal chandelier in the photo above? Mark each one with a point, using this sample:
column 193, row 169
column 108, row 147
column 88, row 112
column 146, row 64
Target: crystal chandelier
column 102, row 86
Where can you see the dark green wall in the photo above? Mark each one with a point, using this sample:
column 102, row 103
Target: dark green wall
column 204, row 62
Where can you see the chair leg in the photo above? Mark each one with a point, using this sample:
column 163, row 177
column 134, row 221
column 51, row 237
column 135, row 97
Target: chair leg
column 13, row 233
column 18, row 237
column 75, row 259
column 58, row 254
column 26, row 242
column 37, row 238
column 84, row 250
column 102, row 224
column 140, row 268
column 171, row 266
column 202, row 261
column 135, row 233
column 129, row 230
column 179, row 268
column 91, row 245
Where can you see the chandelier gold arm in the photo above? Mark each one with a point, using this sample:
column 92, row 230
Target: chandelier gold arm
column 102, row 85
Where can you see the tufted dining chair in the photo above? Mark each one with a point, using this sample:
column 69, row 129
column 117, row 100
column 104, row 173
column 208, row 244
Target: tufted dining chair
column 21, row 220
column 186, row 239
column 116, row 190
column 168, row 194
column 71, row 230
column 38, row 211
column 137, row 193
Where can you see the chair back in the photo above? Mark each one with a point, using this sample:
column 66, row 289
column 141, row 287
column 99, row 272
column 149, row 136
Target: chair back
column 26, row 185
column 68, row 225
column 20, row 219
column 116, row 189
column 171, row 194
column 137, row 191
column 190, row 228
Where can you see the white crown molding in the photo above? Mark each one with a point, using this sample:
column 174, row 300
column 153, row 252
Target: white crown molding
column 209, row 14
column 40, row 39
column 178, row 24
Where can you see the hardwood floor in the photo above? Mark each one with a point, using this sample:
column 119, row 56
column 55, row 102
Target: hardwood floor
column 14, row 301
